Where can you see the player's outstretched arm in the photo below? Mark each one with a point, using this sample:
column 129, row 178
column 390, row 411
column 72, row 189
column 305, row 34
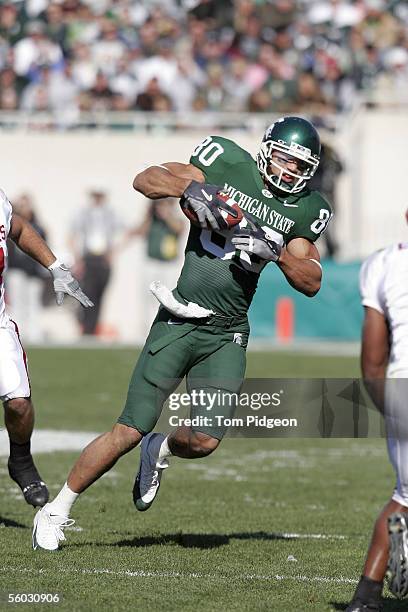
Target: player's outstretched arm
column 166, row 180
column 29, row 241
column 300, row 263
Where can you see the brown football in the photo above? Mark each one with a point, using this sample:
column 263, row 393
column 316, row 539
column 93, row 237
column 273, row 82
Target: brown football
column 231, row 212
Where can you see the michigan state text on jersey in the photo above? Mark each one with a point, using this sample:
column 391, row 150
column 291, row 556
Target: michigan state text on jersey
column 201, row 330
column 215, row 274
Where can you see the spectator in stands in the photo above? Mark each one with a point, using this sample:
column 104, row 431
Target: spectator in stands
column 83, row 69
column 148, row 36
column 82, row 25
column 9, row 89
column 162, row 67
column 190, row 78
column 56, row 27
column 367, row 66
column 214, row 87
column 35, row 50
column 93, row 234
column 390, row 86
column 124, row 82
column 260, row 101
column 108, row 50
column 237, row 85
column 248, row 39
column 309, row 95
column 11, row 26
column 36, row 96
column 101, row 94
column 279, row 14
column 63, row 90
column 151, row 97
column 379, row 27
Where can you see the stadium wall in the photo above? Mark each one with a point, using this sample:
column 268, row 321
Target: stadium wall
column 59, row 169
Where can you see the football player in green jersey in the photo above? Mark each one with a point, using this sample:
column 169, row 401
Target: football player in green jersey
column 201, row 330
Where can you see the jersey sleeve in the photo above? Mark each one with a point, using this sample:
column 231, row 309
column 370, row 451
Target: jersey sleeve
column 7, row 211
column 371, row 281
column 215, row 155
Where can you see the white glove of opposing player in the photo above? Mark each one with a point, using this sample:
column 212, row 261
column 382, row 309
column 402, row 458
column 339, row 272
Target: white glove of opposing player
column 65, row 283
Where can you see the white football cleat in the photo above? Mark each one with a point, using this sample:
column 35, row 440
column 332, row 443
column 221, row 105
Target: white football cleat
column 48, row 529
column 397, row 571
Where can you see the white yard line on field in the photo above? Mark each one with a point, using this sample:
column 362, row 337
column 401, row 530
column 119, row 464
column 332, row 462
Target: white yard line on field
column 310, row 536
column 50, row 440
column 177, row 575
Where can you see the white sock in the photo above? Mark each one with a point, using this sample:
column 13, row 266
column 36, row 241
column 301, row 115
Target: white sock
column 64, row 501
column 164, row 450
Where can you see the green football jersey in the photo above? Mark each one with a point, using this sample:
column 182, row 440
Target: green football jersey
column 216, row 275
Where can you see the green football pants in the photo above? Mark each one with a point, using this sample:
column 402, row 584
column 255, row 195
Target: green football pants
column 212, row 357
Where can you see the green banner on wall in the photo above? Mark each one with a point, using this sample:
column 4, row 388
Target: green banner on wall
column 335, row 313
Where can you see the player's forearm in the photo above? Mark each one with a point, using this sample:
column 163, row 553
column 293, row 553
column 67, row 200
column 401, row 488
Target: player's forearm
column 304, row 275
column 156, row 182
column 375, row 385
column 374, row 378
column 29, row 241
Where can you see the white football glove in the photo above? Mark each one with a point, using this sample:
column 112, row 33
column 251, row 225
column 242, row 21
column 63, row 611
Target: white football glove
column 65, row 283
column 202, row 199
column 257, row 242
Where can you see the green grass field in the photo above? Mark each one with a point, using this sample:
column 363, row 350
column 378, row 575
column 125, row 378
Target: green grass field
column 219, row 535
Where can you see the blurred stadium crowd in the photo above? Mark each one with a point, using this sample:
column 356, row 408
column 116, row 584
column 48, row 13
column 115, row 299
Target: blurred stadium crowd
column 315, row 56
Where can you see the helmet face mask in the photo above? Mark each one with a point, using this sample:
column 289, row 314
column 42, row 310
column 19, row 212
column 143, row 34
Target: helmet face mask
column 299, row 143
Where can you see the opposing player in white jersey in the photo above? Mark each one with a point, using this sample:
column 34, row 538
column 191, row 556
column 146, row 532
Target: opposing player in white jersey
column 15, row 392
column 384, row 362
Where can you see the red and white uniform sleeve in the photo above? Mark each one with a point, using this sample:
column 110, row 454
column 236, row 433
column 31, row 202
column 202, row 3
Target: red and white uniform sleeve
column 5, row 222
column 6, row 210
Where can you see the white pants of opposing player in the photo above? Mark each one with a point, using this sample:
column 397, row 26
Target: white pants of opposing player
column 14, row 379
column 396, row 420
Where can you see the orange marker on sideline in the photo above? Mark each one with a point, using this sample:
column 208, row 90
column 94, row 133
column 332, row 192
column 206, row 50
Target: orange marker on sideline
column 285, row 319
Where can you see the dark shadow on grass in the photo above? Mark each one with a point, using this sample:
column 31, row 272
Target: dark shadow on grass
column 10, row 523
column 388, row 605
column 198, row 540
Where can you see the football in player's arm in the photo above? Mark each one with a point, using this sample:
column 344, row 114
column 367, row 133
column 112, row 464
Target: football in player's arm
column 201, row 330
column 298, row 260
column 15, row 392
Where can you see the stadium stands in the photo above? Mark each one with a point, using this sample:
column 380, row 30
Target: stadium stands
column 316, row 57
